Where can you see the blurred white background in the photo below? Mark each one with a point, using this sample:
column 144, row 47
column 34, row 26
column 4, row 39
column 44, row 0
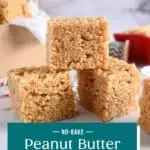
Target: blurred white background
column 122, row 14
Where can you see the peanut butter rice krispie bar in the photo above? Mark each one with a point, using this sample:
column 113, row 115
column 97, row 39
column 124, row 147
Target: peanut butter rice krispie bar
column 12, row 9
column 145, row 107
column 77, row 43
column 40, row 95
column 109, row 93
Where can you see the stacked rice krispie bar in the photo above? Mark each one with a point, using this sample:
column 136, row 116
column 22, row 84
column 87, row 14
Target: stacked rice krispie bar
column 40, row 95
column 107, row 86
column 109, row 93
column 77, row 43
column 12, row 9
column 45, row 94
column 145, row 107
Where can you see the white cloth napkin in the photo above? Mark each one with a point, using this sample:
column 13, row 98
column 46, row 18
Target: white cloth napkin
column 37, row 24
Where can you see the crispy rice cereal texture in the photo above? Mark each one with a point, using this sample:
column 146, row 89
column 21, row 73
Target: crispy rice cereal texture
column 77, row 43
column 40, row 95
column 145, row 107
column 12, row 9
column 109, row 93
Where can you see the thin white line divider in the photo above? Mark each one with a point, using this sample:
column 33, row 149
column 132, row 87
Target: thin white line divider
column 138, row 138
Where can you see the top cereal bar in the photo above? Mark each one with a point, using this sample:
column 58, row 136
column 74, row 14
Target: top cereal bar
column 77, row 43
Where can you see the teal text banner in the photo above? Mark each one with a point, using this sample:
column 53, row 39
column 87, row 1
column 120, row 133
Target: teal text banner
column 72, row 136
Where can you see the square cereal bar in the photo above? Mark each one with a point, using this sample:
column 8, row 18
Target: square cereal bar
column 77, row 43
column 40, row 95
column 12, row 9
column 144, row 120
column 109, row 93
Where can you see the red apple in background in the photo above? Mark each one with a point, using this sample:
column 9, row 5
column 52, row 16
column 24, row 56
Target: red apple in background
column 139, row 44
